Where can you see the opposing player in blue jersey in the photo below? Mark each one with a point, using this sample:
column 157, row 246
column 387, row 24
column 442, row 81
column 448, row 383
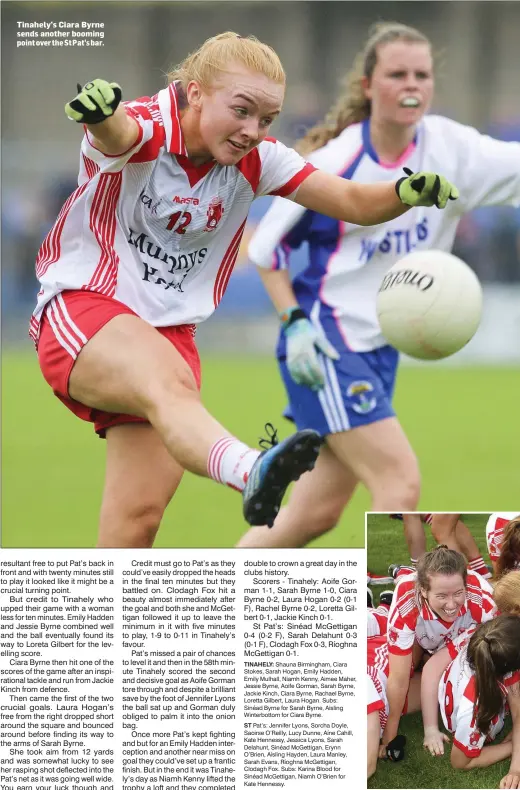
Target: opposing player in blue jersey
column 338, row 370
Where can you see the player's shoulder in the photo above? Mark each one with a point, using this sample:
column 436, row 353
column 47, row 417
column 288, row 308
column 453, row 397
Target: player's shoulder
column 338, row 150
column 502, row 517
column 442, row 130
column 405, row 595
column 477, row 581
column 146, row 108
column 479, row 597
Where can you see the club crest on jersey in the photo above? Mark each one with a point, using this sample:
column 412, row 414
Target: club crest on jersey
column 393, row 635
column 215, row 213
column 361, row 400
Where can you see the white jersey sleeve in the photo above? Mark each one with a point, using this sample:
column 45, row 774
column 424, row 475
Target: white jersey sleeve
column 282, row 169
column 488, row 170
column 402, row 619
column 267, row 247
column 150, row 139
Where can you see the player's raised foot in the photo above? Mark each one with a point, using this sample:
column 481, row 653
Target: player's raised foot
column 274, row 469
column 376, row 578
column 370, row 598
column 396, row 571
column 386, row 598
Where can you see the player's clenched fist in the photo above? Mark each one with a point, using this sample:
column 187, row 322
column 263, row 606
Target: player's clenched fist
column 425, row 189
column 95, row 102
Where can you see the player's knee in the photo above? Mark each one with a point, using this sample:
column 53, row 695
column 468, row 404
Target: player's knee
column 143, row 519
column 323, row 517
column 442, row 533
column 410, row 492
column 168, row 390
column 404, row 490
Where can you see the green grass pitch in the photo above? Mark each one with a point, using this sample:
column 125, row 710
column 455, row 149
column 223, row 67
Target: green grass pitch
column 53, row 464
column 385, row 545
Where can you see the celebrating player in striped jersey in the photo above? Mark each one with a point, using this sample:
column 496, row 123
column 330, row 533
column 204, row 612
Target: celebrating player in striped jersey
column 503, row 540
column 472, row 692
column 142, row 252
column 430, row 608
column 338, row 370
column 377, row 701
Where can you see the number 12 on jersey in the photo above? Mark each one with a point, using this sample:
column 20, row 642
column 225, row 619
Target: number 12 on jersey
column 185, row 219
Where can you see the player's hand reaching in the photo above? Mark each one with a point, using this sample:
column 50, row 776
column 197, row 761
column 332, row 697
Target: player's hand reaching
column 434, row 741
column 425, row 189
column 512, row 780
column 95, row 102
column 303, row 342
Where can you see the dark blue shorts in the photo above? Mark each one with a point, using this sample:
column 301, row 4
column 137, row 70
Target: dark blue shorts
column 358, row 390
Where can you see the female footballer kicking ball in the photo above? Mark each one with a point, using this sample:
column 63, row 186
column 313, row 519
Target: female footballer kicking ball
column 430, row 607
column 472, row 692
column 142, row 252
column 338, row 370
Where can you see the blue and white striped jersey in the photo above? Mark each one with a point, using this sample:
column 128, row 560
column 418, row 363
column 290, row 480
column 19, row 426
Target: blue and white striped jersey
column 347, row 262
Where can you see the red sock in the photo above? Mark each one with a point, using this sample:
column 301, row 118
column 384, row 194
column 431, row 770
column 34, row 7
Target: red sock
column 478, row 565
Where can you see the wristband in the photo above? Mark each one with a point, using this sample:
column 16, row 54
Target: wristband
column 291, row 315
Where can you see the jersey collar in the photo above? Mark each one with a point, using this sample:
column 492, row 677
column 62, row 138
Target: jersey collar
column 371, row 151
column 169, row 107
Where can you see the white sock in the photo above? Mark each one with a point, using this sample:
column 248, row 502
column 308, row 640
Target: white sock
column 230, row 462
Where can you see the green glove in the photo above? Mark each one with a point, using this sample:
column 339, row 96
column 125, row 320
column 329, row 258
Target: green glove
column 425, row 189
column 95, row 102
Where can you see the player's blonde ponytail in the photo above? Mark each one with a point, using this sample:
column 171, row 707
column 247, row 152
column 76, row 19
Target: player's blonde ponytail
column 217, row 53
column 492, row 653
column 506, row 593
column 352, row 106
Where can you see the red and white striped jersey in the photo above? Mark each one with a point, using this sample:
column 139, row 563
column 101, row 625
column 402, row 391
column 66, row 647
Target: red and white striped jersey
column 378, row 669
column 377, row 621
column 457, row 701
column 377, row 676
column 377, row 653
column 495, row 527
column 150, row 229
column 411, row 618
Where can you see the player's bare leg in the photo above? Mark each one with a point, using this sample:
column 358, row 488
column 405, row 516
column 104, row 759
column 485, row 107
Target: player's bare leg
column 315, row 506
column 414, row 693
column 444, row 529
column 140, row 479
column 414, row 535
column 466, row 541
column 373, row 733
column 128, row 367
column 380, row 456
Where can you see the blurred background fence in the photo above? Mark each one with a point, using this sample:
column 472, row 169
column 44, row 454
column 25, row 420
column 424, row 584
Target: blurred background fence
column 478, row 82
